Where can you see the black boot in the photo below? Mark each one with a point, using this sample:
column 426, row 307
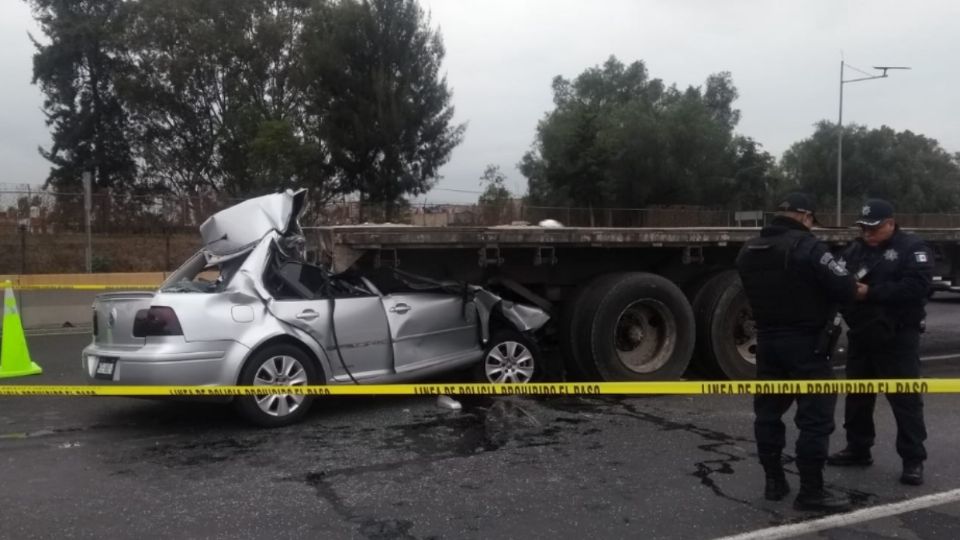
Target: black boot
column 813, row 497
column 776, row 487
column 912, row 473
column 851, row 457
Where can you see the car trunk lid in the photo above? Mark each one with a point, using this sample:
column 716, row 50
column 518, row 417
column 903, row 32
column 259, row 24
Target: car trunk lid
column 114, row 314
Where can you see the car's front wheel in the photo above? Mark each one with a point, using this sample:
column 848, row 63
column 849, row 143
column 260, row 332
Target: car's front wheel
column 281, row 366
column 510, row 358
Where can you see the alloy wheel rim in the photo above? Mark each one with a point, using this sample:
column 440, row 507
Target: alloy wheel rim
column 510, row 362
column 280, row 371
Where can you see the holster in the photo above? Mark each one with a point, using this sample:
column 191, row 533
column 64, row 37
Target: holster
column 828, row 338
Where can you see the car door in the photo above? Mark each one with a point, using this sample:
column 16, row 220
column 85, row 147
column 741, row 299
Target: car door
column 362, row 331
column 428, row 329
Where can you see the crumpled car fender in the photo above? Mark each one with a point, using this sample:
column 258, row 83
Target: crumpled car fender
column 523, row 317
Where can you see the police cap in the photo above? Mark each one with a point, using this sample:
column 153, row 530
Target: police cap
column 798, row 202
column 874, row 211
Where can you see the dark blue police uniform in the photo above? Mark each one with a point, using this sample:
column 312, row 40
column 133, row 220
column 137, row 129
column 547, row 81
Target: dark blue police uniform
column 794, row 286
column 884, row 340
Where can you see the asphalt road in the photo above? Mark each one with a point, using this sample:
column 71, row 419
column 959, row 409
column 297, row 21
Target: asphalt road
column 397, row 468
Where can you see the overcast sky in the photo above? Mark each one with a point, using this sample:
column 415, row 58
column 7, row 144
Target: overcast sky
column 502, row 55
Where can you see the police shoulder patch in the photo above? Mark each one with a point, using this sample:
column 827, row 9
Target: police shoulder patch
column 837, row 269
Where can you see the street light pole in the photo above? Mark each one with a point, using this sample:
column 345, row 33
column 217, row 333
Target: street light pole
column 840, row 125
column 87, row 208
column 840, row 147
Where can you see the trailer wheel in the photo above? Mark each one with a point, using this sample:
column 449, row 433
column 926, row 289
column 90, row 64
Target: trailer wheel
column 726, row 331
column 569, row 321
column 638, row 326
column 700, row 366
column 579, row 312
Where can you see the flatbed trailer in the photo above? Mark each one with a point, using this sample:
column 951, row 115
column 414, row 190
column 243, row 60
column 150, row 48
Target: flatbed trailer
column 628, row 304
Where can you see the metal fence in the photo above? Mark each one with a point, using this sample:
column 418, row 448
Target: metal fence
column 52, row 213
column 43, row 232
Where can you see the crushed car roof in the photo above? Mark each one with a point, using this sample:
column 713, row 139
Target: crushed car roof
column 237, row 229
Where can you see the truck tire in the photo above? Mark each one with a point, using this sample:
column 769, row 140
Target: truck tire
column 726, row 332
column 568, row 342
column 700, row 367
column 578, row 314
column 635, row 327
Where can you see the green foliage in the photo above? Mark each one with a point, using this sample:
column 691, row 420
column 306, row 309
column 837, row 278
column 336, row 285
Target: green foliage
column 246, row 96
column 218, row 96
column 77, row 70
column 100, row 263
column 495, row 197
column 756, row 179
column 618, row 138
column 911, row 170
column 495, row 193
column 374, row 68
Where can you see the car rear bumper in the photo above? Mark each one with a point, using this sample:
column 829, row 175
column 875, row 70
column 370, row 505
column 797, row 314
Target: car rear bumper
column 169, row 362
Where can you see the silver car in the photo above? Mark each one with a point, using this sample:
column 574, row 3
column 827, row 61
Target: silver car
column 248, row 310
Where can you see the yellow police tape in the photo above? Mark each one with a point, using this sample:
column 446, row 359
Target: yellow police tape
column 848, row 386
column 61, row 287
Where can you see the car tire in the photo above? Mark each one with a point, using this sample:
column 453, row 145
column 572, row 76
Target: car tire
column 285, row 365
column 636, row 327
column 726, row 332
column 510, row 358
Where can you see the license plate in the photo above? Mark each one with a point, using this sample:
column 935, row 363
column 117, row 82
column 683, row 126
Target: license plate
column 105, row 367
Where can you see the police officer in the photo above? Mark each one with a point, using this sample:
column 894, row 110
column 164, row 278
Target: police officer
column 794, row 284
column 895, row 270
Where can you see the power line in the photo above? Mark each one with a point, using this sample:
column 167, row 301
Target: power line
column 457, row 190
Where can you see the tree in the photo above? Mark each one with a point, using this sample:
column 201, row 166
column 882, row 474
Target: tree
column 909, row 169
column 382, row 105
column 77, row 70
column 617, row 138
column 755, row 180
column 243, row 97
column 495, row 192
column 218, row 98
column 495, row 197
column 572, row 153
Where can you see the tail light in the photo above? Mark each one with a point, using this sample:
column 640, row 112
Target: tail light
column 156, row 321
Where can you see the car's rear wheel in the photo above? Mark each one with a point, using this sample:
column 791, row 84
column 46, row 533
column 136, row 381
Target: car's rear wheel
column 510, row 358
column 281, row 366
